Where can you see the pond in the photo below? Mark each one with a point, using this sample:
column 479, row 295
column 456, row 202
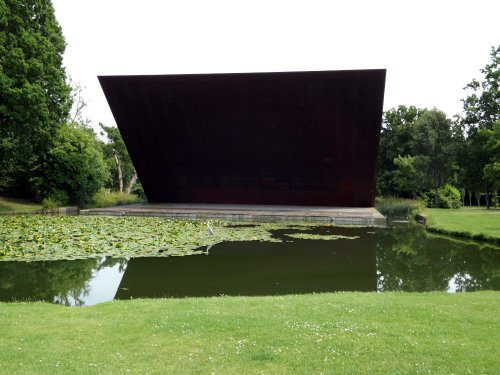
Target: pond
column 403, row 257
column 315, row 259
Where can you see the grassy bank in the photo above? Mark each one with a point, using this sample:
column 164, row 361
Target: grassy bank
column 11, row 205
column 329, row 333
column 471, row 222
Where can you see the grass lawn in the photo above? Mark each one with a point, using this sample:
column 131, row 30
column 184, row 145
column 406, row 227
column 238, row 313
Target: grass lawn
column 11, row 205
column 355, row 333
column 473, row 222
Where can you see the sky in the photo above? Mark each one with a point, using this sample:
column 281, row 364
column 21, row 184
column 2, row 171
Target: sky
column 431, row 49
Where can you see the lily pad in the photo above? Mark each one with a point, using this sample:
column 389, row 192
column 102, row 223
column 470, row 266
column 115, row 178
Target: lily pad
column 41, row 237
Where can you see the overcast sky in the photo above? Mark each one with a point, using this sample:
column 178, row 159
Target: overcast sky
column 431, row 49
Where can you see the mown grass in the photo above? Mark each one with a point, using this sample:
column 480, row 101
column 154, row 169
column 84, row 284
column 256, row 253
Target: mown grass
column 12, row 205
column 471, row 222
column 351, row 333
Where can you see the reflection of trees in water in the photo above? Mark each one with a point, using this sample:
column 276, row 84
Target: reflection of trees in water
column 410, row 259
column 64, row 281
column 111, row 262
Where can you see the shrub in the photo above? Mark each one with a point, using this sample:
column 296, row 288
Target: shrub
column 447, row 196
column 139, row 191
column 107, row 199
column 50, row 204
column 399, row 207
column 59, row 196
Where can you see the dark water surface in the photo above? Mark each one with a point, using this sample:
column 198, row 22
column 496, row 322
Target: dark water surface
column 401, row 258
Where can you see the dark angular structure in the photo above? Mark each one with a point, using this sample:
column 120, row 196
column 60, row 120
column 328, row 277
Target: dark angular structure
column 290, row 138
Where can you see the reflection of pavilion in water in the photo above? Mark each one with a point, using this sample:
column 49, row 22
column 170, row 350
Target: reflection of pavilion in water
column 256, row 268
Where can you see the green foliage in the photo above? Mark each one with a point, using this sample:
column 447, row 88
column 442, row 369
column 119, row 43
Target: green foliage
column 432, row 139
column 50, row 204
column 60, row 197
column 398, row 207
column 108, row 199
column 491, row 170
column 405, row 176
column 74, row 237
column 34, row 96
column 348, row 333
column 482, row 105
column 472, row 157
column 480, row 156
column 40, row 154
column 395, row 142
column 416, row 152
column 480, row 121
column 75, row 165
column 422, row 150
column 446, row 196
column 139, row 191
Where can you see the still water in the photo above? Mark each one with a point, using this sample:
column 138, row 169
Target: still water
column 400, row 258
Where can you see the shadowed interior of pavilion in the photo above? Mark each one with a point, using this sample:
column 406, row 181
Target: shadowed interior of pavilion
column 245, row 143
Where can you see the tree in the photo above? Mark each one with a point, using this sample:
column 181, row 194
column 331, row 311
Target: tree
column 481, row 113
column 432, row 140
column 406, row 177
column 395, row 142
column 417, row 151
column 118, row 160
column 75, row 165
column 34, row 96
column 491, row 170
column 482, row 105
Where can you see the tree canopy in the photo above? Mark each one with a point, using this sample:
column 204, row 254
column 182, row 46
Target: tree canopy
column 415, row 151
column 34, row 95
column 482, row 104
column 424, row 154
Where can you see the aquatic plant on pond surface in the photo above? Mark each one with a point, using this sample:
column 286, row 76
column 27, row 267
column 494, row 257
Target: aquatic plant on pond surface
column 74, row 237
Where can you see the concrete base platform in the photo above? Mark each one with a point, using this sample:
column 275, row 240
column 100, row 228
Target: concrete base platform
column 367, row 216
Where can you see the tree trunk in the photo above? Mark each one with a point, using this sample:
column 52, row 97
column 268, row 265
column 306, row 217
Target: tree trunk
column 488, row 196
column 470, row 198
column 436, row 183
column 132, row 182
column 119, row 170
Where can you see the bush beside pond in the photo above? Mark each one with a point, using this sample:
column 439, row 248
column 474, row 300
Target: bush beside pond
column 447, row 196
column 399, row 207
column 104, row 198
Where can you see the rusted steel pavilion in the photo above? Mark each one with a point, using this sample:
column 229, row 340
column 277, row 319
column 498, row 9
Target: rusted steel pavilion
column 289, row 138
